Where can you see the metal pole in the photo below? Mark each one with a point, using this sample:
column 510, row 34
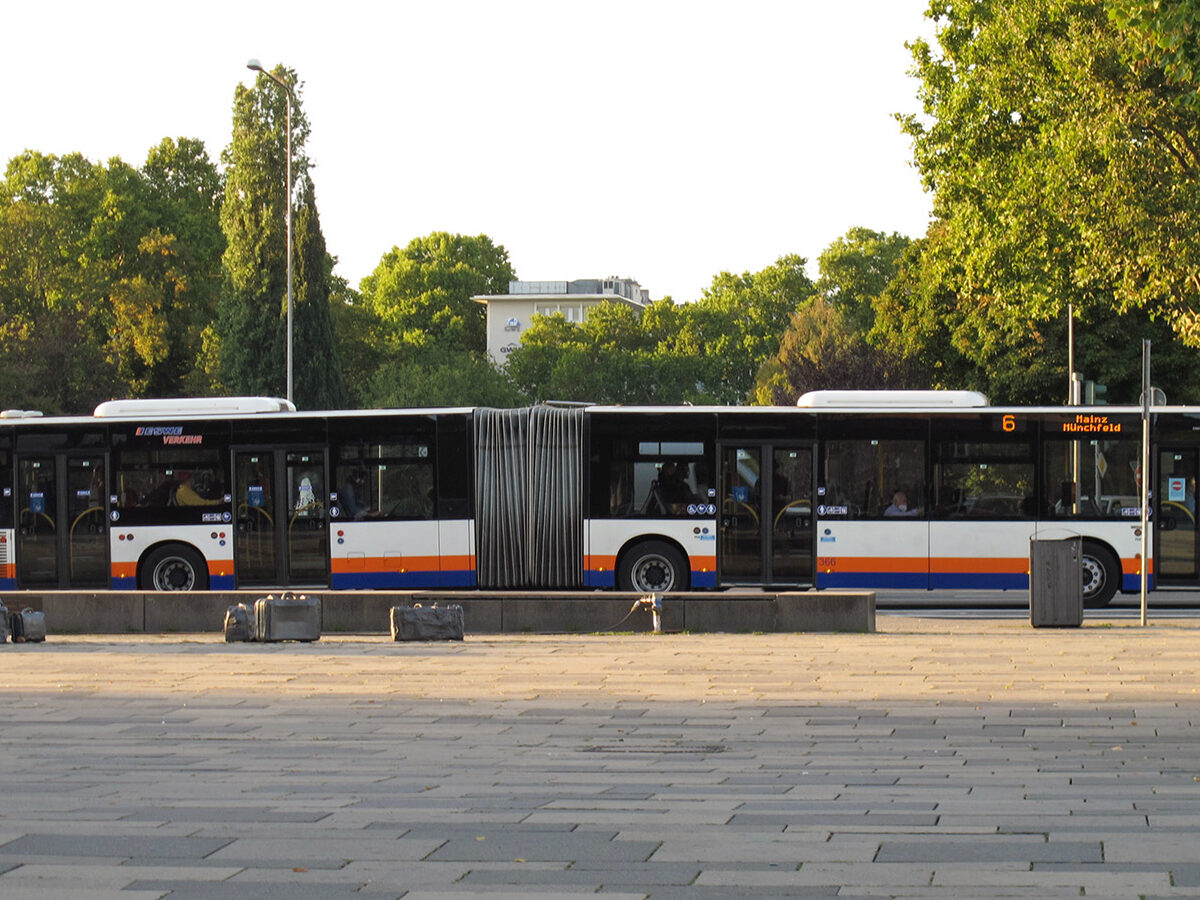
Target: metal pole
column 288, row 91
column 1145, row 498
column 1071, row 396
column 256, row 66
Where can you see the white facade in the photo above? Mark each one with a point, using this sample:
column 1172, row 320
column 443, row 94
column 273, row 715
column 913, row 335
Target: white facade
column 510, row 315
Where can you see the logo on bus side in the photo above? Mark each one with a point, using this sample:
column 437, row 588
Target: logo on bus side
column 170, row 434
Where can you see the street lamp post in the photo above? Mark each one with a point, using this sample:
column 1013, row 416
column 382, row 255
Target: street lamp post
column 256, row 66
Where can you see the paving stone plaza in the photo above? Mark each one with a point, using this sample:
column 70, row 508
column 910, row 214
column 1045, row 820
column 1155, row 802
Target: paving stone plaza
column 945, row 758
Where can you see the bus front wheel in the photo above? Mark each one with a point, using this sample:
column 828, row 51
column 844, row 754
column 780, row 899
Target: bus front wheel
column 1101, row 575
column 174, row 567
column 653, row 567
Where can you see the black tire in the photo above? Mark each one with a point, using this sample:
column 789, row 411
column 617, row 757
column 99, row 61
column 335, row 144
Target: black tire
column 1101, row 575
column 174, row 567
column 653, row 567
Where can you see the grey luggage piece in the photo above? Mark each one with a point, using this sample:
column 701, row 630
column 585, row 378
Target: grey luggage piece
column 240, row 624
column 432, row 623
column 28, row 626
column 4, row 624
column 290, row 617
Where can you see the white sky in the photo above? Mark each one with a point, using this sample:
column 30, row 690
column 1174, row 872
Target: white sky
column 666, row 141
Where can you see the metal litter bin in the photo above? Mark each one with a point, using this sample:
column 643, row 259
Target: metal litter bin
column 1056, row 583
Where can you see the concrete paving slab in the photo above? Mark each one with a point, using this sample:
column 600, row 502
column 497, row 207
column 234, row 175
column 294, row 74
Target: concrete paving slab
column 935, row 758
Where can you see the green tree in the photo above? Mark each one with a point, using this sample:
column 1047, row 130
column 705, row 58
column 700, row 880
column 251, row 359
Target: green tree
column 736, row 326
column 824, row 349
column 855, row 269
column 361, row 344
column 317, row 366
column 1163, row 36
column 609, row 358
column 52, row 357
column 431, row 376
column 422, row 293
column 1062, row 173
column 251, row 334
column 184, row 195
column 107, row 275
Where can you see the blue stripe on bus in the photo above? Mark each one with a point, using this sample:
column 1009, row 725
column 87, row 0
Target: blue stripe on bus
column 347, row 581
column 605, row 578
column 8, row 584
column 979, row 581
column 221, row 582
column 124, row 584
column 1133, row 583
column 985, row 581
column 704, row 579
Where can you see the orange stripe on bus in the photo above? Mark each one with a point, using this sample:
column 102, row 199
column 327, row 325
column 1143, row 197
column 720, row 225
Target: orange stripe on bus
column 124, row 570
column 989, row 565
column 873, row 564
column 601, row 563
column 401, row 564
column 919, row 564
column 1134, row 566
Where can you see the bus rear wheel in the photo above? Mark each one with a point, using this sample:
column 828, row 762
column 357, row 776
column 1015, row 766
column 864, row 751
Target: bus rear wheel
column 1101, row 575
column 653, row 567
column 174, row 567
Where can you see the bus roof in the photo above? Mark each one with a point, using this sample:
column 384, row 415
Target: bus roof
column 893, row 399
column 192, row 406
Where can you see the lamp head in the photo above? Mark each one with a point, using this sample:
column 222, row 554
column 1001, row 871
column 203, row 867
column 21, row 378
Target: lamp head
column 255, row 65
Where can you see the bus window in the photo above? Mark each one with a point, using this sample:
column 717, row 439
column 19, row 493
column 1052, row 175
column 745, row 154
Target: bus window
column 168, row 477
column 384, row 481
column 1094, row 479
column 658, row 479
column 983, row 480
column 6, row 490
column 875, row 479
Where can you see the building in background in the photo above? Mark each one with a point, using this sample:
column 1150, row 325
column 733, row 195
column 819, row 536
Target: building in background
column 508, row 315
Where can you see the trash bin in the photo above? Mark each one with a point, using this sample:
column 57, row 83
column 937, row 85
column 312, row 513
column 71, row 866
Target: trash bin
column 1056, row 583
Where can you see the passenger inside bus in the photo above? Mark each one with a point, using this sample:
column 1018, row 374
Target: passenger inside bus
column 186, row 495
column 354, row 488
column 675, row 492
column 899, row 506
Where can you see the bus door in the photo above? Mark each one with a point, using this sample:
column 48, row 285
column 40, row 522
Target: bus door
column 282, row 509
column 766, row 523
column 1176, row 556
column 62, row 521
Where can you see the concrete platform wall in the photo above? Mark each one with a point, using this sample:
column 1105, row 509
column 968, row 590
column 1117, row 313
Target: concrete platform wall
column 484, row 612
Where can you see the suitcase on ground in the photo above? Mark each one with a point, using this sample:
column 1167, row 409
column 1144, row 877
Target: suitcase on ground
column 240, row 623
column 4, row 624
column 28, row 626
column 288, row 617
column 427, row 623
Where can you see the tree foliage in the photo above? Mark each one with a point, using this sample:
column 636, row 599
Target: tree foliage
column 107, row 275
column 823, row 349
column 708, row 351
column 250, row 338
column 1063, row 164
column 422, row 293
column 423, row 376
column 856, row 268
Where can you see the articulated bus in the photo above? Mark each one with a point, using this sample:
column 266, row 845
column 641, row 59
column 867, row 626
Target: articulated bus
column 918, row 490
